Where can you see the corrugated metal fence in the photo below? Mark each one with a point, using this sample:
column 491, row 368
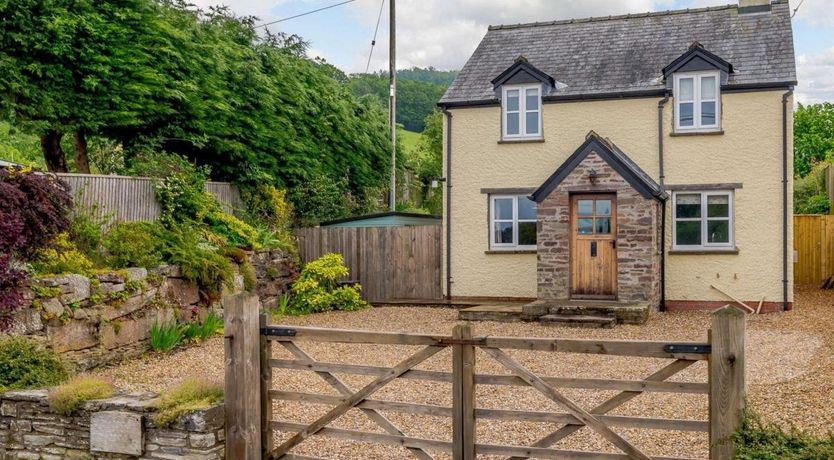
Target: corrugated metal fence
column 813, row 241
column 132, row 198
column 391, row 263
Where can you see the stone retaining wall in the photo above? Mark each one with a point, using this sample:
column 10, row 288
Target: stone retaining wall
column 116, row 428
column 108, row 317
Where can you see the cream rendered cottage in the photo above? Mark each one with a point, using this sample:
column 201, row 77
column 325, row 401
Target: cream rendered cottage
column 642, row 158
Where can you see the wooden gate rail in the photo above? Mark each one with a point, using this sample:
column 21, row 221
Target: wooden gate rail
column 725, row 390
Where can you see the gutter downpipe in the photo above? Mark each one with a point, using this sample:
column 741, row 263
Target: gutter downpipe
column 660, row 106
column 785, row 97
column 448, row 204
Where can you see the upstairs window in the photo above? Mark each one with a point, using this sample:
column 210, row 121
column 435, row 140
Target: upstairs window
column 521, row 110
column 512, row 222
column 697, row 101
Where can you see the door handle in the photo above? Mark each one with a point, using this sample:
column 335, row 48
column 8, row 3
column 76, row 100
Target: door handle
column 614, row 244
column 593, row 248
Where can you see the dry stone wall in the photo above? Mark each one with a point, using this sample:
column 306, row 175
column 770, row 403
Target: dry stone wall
column 108, row 317
column 116, row 428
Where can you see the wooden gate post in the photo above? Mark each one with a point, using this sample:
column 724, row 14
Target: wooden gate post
column 243, row 377
column 463, row 394
column 266, row 386
column 726, row 380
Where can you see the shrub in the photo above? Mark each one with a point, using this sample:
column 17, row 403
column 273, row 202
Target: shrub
column 67, row 398
column 133, row 244
column 189, row 396
column 762, row 441
column 87, row 231
column 199, row 261
column 25, row 364
column 236, row 232
column 62, row 257
column 165, row 337
column 317, row 288
column 268, row 205
column 34, row 210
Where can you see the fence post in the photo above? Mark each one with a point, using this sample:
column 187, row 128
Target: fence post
column 726, row 380
column 243, row 408
column 266, row 385
column 463, row 394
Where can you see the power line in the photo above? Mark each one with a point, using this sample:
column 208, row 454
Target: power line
column 305, row 14
column 797, row 8
column 376, row 30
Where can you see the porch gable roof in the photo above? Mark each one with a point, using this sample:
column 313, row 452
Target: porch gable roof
column 612, row 155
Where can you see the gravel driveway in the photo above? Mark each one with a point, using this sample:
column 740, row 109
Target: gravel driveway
column 790, row 360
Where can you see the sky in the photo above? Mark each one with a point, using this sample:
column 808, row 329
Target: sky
column 444, row 33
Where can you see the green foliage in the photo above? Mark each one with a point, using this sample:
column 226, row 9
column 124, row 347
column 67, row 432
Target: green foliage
column 67, row 398
column 320, row 199
column 25, row 364
column 60, row 258
column 133, row 244
column 250, row 278
column 198, row 260
column 165, row 337
column 813, row 136
column 87, row 231
column 317, row 288
column 418, row 91
column 809, row 192
column 189, row 396
column 268, row 206
column 757, row 440
column 197, row 331
column 426, row 162
column 20, row 147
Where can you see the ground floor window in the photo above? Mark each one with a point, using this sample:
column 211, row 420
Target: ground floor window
column 512, row 222
column 703, row 220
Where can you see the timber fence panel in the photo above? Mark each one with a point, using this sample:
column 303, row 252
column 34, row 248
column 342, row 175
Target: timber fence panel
column 813, row 237
column 132, row 198
column 391, row 263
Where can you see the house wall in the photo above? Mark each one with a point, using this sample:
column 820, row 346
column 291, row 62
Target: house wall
column 749, row 152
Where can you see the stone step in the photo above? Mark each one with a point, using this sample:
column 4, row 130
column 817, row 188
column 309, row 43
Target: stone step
column 588, row 321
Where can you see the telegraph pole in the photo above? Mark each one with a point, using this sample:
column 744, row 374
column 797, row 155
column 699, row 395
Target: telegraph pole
column 392, row 102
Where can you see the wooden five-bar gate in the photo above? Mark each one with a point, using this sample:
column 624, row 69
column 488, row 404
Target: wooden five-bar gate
column 250, row 422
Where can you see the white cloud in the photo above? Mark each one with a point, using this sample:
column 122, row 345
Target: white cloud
column 816, row 77
column 816, row 12
column 444, row 33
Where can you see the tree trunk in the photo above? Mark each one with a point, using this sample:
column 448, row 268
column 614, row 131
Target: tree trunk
column 53, row 154
column 82, row 162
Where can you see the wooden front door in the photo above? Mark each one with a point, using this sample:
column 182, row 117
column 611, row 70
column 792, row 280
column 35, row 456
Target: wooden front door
column 593, row 250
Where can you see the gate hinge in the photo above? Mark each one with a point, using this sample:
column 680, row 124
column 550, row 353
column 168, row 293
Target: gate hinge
column 687, row 348
column 278, row 332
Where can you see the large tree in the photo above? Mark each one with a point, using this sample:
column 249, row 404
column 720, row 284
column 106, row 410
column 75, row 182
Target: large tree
column 71, row 67
column 813, row 136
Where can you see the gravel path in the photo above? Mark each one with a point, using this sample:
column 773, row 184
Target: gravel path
column 790, row 360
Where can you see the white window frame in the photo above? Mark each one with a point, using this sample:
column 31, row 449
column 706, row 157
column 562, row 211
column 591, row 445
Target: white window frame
column 515, row 221
column 704, row 219
column 696, row 101
column 522, row 112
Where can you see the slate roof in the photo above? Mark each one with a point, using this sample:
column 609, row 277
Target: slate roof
column 615, row 157
column 625, row 55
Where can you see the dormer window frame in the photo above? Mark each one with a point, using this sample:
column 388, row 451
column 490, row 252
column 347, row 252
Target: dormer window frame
column 697, row 101
column 522, row 111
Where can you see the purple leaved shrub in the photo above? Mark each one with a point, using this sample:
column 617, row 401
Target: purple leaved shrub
column 34, row 208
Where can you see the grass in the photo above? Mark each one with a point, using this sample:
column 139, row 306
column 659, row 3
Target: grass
column 409, row 139
column 67, row 398
column 757, row 440
column 25, row 364
column 189, row 396
column 165, row 337
column 201, row 330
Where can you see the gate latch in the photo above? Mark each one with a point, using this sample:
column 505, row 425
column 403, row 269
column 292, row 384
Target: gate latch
column 687, row 348
column 277, row 332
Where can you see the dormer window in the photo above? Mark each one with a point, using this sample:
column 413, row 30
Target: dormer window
column 697, row 101
column 521, row 109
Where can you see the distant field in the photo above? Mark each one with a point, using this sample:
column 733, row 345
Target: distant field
column 409, row 139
